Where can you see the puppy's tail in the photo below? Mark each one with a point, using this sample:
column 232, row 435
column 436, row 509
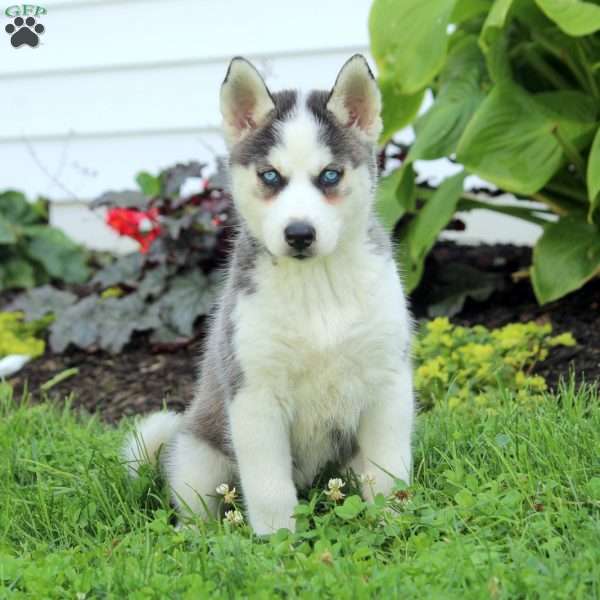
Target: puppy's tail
column 143, row 444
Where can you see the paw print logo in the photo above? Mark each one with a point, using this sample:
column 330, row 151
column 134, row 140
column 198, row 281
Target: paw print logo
column 24, row 31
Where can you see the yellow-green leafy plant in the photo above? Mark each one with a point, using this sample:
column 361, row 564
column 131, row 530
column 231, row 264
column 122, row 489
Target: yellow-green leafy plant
column 468, row 365
column 19, row 337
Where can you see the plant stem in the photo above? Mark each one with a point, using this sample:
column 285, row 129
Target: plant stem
column 570, row 150
column 59, row 379
column 471, row 201
column 568, row 191
column 545, row 70
column 550, row 202
column 513, row 211
column 564, row 58
column 588, row 71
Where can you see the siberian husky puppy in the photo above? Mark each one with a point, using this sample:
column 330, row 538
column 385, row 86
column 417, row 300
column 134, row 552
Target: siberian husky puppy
column 307, row 359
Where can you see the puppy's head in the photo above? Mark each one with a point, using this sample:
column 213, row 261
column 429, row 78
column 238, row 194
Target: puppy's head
column 302, row 167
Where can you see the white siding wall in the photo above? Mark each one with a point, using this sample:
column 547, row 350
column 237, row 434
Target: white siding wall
column 118, row 86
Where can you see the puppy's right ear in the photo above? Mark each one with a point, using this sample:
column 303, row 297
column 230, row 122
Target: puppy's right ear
column 245, row 100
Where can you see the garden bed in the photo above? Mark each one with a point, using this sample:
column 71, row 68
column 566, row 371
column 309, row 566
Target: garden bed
column 141, row 379
column 578, row 312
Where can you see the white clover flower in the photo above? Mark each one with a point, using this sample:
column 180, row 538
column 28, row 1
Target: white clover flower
column 368, row 479
column 222, row 489
column 234, row 517
column 335, row 489
column 229, row 495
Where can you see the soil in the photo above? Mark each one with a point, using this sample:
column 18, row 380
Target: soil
column 140, row 380
column 133, row 382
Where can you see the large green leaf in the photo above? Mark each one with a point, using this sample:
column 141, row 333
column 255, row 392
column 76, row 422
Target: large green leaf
column 574, row 113
column 188, row 297
column 393, row 188
column 593, row 176
column 494, row 22
column 493, row 40
column 422, row 232
column 435, row 215
column 105, row 323
column 460, row 94
column 407, row 188
column 398, row 109
column 409, row 40
column 62, row 258
column 15, row 209
column 149, row 184
column 574, row 17
column 76, row 325
column 43, row 300
column 154, row 281
column 8, row 234
column 467, row 9
column 512, row 140
column 16, row 273
column 565, row 257
column 120, row 317
column 124, row 270
column 497, row 58
column 173, row 178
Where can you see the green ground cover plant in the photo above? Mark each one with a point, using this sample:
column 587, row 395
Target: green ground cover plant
column 467, row 366
column 503, row 505
column 19, row 337
column 516, row 101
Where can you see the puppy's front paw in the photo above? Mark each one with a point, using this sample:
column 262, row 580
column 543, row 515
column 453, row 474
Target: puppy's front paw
column 270, row 526
column 272, row 516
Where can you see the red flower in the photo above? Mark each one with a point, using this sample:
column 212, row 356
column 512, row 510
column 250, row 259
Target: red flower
column 142, row 226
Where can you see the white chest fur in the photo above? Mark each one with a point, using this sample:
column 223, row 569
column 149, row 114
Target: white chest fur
column 323, row 336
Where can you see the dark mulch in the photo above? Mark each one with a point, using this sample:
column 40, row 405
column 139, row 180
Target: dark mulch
column 139, row 380
column 135, row 381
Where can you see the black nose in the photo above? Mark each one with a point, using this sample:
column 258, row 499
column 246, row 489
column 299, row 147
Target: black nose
column 300, row 235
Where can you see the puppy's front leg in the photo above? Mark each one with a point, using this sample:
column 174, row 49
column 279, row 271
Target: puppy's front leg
column 262, row 447
column 384, row 436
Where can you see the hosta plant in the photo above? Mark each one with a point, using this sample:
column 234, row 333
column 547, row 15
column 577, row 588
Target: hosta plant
column 162, row 288
column 31, row 251
column 516, row 101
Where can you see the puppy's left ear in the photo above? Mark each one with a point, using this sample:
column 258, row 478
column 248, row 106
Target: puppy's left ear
column 355, row 99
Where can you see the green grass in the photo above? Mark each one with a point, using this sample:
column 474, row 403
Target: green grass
column 504, row 505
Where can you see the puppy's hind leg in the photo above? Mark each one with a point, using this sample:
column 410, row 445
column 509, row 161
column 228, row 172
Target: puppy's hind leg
column 194, row 468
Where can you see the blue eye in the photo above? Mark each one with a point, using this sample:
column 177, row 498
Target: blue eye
column 270, row 177
column 330, row 177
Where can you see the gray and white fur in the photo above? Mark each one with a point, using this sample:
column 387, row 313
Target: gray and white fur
column 307, row 359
